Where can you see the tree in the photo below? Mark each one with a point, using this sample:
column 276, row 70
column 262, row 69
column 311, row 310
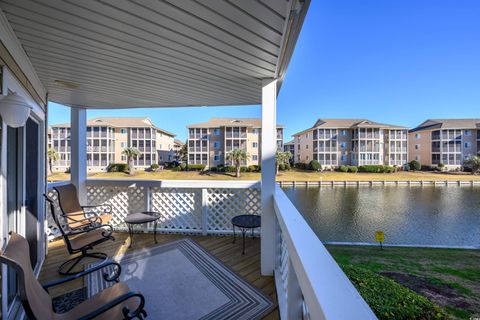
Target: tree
column 237, row 156
column 473, row 163
column 131, row 154
column 52, row 157
column 281, row 158
column 183, row 153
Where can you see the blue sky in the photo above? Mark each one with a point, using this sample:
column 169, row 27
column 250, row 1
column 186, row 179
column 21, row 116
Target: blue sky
column 395, row 61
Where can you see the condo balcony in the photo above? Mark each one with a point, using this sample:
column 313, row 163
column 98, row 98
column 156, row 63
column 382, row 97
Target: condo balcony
column 124, row 54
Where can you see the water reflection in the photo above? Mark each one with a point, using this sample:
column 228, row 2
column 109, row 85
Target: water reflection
column 408, row 215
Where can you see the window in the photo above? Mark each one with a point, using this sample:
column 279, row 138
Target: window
column 216, row 157
column 123, row 131
column 418, row 135
column 468, row 133
column 306, row 158
column 298, row 147
column 343, row 145
column 343, row 157
column 417, row 146
column 306, row 146
column 254, row 157
column 467, row 145
column 123, row 144
column 216, row 132
column 255, row 144
column 255, row 131
column 306, row 135
column 216, row 144
column 344, row 133
column 298, row 157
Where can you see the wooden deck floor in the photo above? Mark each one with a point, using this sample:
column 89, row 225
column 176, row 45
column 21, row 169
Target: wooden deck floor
column 247, row 266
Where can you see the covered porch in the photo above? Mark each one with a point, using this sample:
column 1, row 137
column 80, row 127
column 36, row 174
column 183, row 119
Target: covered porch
column 130, row 54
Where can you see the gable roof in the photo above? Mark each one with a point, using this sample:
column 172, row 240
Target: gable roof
column 230, row 122
column 431, row 124
column 120, row 122
column 349, row 124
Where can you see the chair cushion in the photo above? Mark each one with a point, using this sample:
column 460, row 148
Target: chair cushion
column 87, row 238
column 99, row 300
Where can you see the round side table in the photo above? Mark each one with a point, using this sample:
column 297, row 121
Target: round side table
column 245, row 222
column 141, row 218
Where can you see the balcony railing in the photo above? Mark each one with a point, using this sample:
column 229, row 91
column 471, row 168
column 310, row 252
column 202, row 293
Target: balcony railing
column 310, row 284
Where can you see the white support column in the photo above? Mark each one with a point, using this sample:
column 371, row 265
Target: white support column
column 78, row 154
column 269, row 147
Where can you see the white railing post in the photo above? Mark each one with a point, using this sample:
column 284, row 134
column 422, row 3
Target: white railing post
column 294, row 294
column 148, row 198
column 78, row 161
column 269, row 147
column 204, row 211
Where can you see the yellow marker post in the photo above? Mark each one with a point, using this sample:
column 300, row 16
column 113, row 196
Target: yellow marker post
column 380, row 237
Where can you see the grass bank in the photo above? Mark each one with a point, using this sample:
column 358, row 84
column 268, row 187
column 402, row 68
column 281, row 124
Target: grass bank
column 292, row 175
column 449, row 278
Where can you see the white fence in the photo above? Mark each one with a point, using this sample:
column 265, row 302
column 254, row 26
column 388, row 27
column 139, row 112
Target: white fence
column 310, row 284
column 204, row 207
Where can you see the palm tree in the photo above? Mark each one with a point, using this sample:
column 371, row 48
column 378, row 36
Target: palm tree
column 52, row 157
column 131, row 154
column 237, row 156
column 281, row 158
column 473, row 163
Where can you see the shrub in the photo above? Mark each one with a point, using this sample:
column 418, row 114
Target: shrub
column 352, row 169
column 196, row 167
column 371, row 168
column 254, row 168
column 243, row 169
column 441, row 165
column 283, row 167
column 177, row 168
column 117, row 167
column 154, row 166
column 414, row 165
column 389, row 299
column 230, row 169
column 343, row 169
column 183, row 166
column 314, row 165
column 301, row 166
column 67, row 170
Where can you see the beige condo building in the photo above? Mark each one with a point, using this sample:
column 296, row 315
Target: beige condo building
column 446, row 141
column 336, row 142
column 108, row 136
column 209, row 142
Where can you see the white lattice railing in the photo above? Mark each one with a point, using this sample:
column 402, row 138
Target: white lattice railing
column 184, row 206
column 310, row 284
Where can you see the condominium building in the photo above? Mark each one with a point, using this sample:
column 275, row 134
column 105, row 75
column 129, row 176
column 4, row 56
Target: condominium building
column 446, row 141
column 336, row 142
column 177, row 146
column 290, row 147
column 209, row 142
column 108, row 136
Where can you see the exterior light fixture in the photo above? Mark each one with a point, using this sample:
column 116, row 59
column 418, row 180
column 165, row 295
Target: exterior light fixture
column 14, row 110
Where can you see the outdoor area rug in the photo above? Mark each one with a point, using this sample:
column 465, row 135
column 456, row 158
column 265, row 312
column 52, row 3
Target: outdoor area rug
column 181, row 280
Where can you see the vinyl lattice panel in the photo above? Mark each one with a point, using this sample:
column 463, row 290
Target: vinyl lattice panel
column 180, row 208
column 124, row 200
column 224, row 204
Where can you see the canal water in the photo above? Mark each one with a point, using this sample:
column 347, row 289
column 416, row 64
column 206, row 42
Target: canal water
column 447, row 216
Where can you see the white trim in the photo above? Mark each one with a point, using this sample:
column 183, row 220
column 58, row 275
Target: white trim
column 241, row 184
column 14, row 47
column 269, row 148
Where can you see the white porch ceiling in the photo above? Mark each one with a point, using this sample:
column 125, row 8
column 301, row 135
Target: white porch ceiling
column 153, row 53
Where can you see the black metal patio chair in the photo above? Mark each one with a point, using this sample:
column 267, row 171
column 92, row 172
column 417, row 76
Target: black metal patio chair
column 80, row 239
column 115, row 302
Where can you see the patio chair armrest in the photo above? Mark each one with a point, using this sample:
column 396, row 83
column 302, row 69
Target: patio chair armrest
column 106, row 277
column 86, row 229
column 138, row 313
column 100, row 205
column 92, row 220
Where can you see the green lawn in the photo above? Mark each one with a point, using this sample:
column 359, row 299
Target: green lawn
column 449, row 278
column 292, row 175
